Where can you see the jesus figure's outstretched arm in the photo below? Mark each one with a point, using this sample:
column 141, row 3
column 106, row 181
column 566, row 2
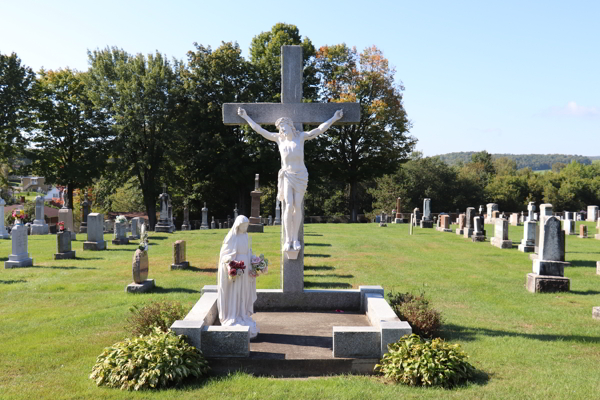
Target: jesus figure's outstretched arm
column 324, row 126
column 263, row 132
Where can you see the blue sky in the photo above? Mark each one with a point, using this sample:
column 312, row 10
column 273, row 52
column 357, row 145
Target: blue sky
column 506, row 77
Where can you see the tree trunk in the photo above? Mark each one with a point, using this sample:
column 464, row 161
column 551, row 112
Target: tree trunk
column 353, row 213
column 70, row 195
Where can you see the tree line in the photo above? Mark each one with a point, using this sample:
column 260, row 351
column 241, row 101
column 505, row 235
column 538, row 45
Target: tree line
column 537, row 162
column 132, row 123
column 484, row 179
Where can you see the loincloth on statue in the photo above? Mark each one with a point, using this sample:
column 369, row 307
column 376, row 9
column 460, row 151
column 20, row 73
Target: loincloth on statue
column 298, row 180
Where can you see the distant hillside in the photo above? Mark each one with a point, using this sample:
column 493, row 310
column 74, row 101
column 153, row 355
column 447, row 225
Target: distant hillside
column 534, row 161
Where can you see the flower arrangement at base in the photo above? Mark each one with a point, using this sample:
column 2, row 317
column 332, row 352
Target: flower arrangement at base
column 235, row 269
column 260, row 265
column 143, row 246
column 61, row 226
column 19, row 216
column 121, row 219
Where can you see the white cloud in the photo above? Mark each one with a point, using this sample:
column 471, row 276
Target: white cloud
column 573, row 109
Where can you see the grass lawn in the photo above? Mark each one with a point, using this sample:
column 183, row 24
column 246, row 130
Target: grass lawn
column 57, row 316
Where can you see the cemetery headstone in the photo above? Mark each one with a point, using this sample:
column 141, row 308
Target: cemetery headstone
column 39, row 226
column 417, row 216
column 583, row 231
column 470, row 215
column 135, row 228
column 398, row 219
column 461, row 224
column 410, row 229
column 255, row 223
column 514, row 219
column 179, row 259
column 427, row 221
column 445, row 223
column 19, row 257
column 141, row 283
column 277, row 213
column 548, row 269
column 592, row 213
column 270, row 220
column 500, row 238
column 569, row 224
column 186, row 219
column 170, row 214
column 120, row 235
column 383, row 219
column 529, row 232
column 235, row 210
column 95, row 233
column 65, row 214
column 213, row 225
column 3, row 233
column 478, row 232
column 86, row 209
column 163, row 224
column 597, row 236
column 204, row 217
column 108, row 226
column 63, row 246
column 491, row 207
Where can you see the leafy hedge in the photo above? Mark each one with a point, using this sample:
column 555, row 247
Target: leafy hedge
column 159, row 314
column 417, row 362
column 153, row 361
column 416, row 310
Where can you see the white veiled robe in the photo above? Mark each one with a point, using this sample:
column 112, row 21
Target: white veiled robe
column 236, row 297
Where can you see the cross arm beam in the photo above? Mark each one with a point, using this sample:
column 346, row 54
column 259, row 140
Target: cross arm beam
column 304, row 113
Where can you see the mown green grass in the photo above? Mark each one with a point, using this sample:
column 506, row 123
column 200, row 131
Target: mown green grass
column 58, row 316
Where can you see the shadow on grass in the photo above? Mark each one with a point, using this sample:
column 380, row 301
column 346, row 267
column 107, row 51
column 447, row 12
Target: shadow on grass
column 160, row 289
column 582, row 252
column 318, row 255
column 56, row 267
column 9, row 282
column 330, row 275
column 3, row 258
column 318, row 244
column 584, row 293
column 312, row 234
column 157, row 237
column 457, row 332
column 319, row 268
column 132, row 249
column 88, row 258
column 327, row 285
column 196, row 269
column 582, row 263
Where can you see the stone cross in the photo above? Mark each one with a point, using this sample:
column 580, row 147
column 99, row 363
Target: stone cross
column 292, row 107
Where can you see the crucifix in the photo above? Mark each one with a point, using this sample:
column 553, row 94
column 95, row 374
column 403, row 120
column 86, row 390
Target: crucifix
column 289, row 117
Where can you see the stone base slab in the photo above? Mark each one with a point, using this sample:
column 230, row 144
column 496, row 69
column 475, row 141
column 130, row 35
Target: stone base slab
column 64, row 256
column 467, row 233
column 83, row 229
column 398, row 221
column 478, row 238
column 459, row 231
column 39, row 229
column 525, row 248
column 27, row 262
column 140, row 287
column 426, row 224
column 225, row 341
column 185, row 227
column 547, row 284
column 597, row 236
column 133, row 237
column 356, row 342
column 256, row 228
column 183, row 265
column 94, row 245
column 163, row 228
column 502, row 244
column 120, row 241
column 582, row 237
column 596, row 313
column 382, row 224
column 547, row 267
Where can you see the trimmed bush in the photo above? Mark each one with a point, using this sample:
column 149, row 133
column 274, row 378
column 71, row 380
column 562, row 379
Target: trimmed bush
column 416, row 310
column 417, row 362
column 160, row 314
column 153, row 361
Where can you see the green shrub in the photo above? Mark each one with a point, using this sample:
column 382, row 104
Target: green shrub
column 160, row 314
column 417, row 362
column 416, row 310
column 153, row 361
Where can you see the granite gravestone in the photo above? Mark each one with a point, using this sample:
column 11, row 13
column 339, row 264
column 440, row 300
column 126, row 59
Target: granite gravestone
column 277, row 213
column 597, row 236
column 135, row 228
column 583, row 231
column 470, row 215
column 444, row 223
column 491, row 207
column 383, row 219
column 86, row 209
column 255, row 222
column 63, row 246
column 569, row 223
column 39, row 226
column 398, row 219
column 500, row 238
column 514, row 219
column 204, row 217
column 236, row 211
column 478, row 232
column 163, row 224
column 179, row 259
column 548, row 269
column 427, row 221
column 592, row 213
column 19, row 257
column 141, row 283
column 95, row 233
column 120, row 236
column 186, row 218
column 3, row 233
column 461, row 224
column 417, row 217
column 213, row 224
column 65, row 214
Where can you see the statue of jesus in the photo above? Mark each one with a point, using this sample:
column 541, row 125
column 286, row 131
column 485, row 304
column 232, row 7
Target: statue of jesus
column 293, row 176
